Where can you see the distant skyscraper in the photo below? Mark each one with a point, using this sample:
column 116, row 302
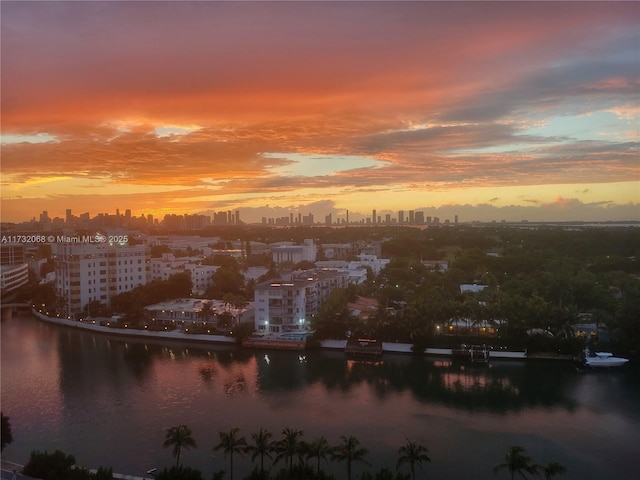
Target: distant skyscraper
column 374, row 216
column 401, row 216
column 411, row 216
column 455, row 219
column 419, row 218
column 69, row 217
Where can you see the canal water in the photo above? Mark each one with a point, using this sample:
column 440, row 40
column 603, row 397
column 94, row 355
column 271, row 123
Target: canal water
column 109, row 401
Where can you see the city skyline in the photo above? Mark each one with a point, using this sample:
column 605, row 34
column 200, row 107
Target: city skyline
column 490, row 111
column 125, row 219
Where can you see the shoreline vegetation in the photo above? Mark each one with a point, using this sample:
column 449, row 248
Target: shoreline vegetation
column 291, row 457
column 282, row 344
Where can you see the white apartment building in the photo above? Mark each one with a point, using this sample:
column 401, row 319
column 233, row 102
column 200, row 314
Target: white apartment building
column 287, row 304
column 168, row 265
column 88, row 272
column 357, row 269
column 13, row 276
column 288, row 252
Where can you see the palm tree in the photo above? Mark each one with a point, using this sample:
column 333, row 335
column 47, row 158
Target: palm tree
column 553, row 469
column 230, row 443
column 350, row 451
column 319, row 449
column 206, row 312
column 517, row 462
column 262, row 446
column 414, row 454
column 179, row 436
column 289, row 446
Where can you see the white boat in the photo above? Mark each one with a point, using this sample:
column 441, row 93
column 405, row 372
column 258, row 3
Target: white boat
column 603, row 359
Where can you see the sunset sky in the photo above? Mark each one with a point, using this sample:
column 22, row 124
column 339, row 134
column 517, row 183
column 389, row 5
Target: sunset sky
column 506, row 110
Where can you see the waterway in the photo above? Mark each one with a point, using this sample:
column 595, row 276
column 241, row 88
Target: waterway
column 108, row 401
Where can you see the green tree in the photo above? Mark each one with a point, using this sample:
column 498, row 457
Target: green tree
column 230, row 444
column 206, row 312
column 104, row 473
column 49, row 466
column 262, row 447
column 289, row 447
column 349, row 451
column 413, row 454
column 517, row 462
column 320, row 450
column 179, row 437
column 553, row 469
column 226, row 280
column 299, row 472
column 225, row 320
column 6, row 435
column 179, row 473
column 333, row 319
column 384, row 474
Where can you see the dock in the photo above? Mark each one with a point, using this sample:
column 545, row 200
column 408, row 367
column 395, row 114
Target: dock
column 364, row 348
column 276, row 344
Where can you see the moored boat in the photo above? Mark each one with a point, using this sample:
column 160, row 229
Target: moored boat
column 603, row 359
column 475, row 353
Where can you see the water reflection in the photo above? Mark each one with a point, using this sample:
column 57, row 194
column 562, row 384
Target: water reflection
column 98, row 387
column 495, row 387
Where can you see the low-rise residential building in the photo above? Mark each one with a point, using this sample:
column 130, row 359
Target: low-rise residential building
column 363, row 307
column 14, row 269
column 13, row 276
column 288, row 304
column 185, row 312
column 168, row 265
column 436, row 265
column 471, row 288
column 357, row 269
column 289, row 252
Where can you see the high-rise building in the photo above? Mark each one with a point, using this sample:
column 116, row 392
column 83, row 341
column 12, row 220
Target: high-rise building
column 401, row 216
column 327, row 219
column 374, row 216
column 412, row 217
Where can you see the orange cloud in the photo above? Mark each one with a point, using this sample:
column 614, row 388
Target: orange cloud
column 441, row 93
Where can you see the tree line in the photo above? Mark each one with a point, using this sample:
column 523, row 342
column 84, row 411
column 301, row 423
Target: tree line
column 302, row 460
column 528, row 284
